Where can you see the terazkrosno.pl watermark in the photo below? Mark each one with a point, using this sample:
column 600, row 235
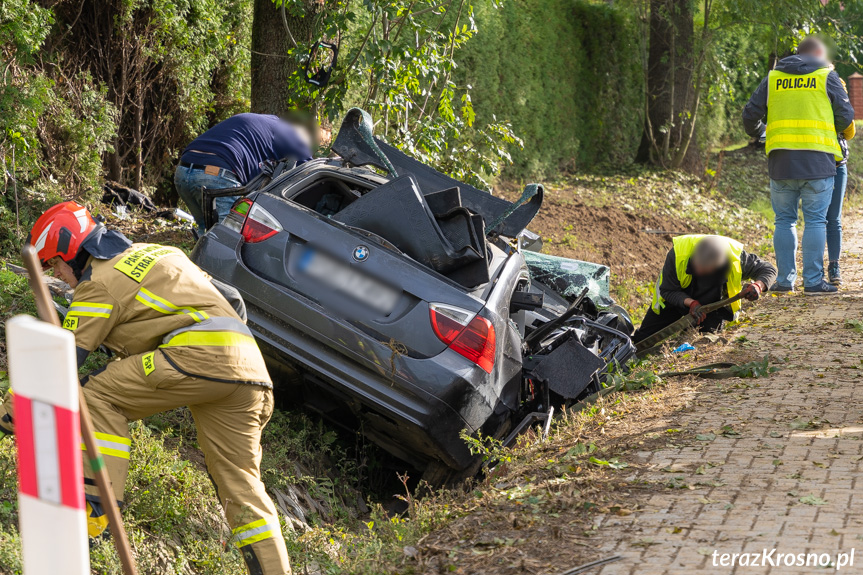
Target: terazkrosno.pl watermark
column 775, row 558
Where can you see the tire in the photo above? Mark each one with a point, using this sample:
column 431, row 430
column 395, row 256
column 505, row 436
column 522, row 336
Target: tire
column 438, row 474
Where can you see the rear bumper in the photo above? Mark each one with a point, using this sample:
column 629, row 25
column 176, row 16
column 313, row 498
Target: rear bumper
column 416, row 427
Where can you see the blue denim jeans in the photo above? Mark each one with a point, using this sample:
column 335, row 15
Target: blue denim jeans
column 814, row 196
column 834, row 214
column 190, row 184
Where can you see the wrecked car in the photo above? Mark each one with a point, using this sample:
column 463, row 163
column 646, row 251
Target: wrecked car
column 395, row 300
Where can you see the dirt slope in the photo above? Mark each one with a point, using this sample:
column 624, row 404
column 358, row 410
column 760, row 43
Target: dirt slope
column 627, row 221
column 627, row 242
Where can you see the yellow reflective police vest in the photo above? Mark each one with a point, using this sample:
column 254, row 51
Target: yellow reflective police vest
column 684, row 247
column 799, row 113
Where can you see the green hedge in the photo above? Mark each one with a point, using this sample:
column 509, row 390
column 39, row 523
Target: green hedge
column 566, row 73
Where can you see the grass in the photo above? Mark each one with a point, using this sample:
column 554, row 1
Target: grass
column 730, row 147
column 762, row 206
column 634, row 295
column 574, row 242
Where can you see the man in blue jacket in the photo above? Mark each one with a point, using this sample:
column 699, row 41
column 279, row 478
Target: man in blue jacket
column 230, row 154
column 807, row 107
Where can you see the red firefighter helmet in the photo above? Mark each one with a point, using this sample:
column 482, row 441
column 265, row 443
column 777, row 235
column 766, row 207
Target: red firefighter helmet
column 61, row 230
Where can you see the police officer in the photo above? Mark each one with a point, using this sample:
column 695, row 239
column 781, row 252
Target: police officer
column 805, row 106
column 180, row 344
column 700, row 270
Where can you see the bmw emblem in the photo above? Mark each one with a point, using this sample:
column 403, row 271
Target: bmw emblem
column 361, row 253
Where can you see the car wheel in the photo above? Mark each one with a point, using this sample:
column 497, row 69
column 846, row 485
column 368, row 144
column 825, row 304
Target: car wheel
column 438, row 474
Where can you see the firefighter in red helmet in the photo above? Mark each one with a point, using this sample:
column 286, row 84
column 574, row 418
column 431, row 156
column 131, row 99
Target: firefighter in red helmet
column 181, row 344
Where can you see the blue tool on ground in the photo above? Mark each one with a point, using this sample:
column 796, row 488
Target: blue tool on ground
column 683, row 347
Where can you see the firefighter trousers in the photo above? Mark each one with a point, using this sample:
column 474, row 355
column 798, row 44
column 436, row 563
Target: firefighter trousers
column 229, row 419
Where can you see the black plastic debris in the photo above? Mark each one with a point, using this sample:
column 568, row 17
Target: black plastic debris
column 568, row 369
column 323, row 59
column 357, row 146
column 448, row 239
column 116, row 194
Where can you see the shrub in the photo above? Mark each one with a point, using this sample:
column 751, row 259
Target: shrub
column 566, row 74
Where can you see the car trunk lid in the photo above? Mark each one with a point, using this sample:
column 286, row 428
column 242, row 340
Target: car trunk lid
column 357, row 145
column 351, row 275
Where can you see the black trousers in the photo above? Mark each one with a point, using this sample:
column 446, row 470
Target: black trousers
column 654, row 322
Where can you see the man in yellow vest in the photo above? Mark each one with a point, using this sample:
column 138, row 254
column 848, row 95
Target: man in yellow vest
column 180, row 343
column 805, row 106
column 700, row 270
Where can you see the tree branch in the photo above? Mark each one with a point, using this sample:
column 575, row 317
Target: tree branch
column 359, row 52
column 419, row 12
column 285, row 24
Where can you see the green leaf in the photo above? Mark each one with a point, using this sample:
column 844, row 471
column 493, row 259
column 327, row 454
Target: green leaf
column 581, row 449
column 754, row 369
column 612, row 464
column 812, row 500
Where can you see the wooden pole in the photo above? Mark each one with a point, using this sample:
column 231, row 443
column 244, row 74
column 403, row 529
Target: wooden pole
column 97, row 464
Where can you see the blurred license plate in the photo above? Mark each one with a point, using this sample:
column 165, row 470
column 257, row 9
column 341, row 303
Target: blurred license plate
column 344, row 279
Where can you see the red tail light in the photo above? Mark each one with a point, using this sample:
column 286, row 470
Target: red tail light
column 259, row 224
column 469, row 335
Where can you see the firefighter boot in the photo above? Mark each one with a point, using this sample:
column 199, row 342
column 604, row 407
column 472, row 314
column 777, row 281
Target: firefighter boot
column 97, row 522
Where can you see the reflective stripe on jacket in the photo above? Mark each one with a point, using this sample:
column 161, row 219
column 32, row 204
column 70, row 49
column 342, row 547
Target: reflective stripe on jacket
column 800, row 114
column 152, row 297
column 684, row 247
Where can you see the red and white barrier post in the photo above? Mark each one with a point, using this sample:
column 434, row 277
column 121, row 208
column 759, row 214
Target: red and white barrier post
column 43, row 373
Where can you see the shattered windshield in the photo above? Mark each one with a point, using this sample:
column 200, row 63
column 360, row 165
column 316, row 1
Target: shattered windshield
column 569, row 277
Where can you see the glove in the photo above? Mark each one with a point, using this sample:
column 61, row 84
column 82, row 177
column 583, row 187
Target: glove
column 751, row 291
column 695, row 311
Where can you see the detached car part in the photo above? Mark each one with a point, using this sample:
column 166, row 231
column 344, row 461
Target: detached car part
column 358, row 147
column 323, row 58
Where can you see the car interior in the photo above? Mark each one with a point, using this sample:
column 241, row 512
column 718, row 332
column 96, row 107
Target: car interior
column 328, row 195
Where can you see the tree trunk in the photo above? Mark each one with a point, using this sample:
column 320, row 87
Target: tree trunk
column 671, row 95
column 112, row 161
column 271, row 64
column 138, row 136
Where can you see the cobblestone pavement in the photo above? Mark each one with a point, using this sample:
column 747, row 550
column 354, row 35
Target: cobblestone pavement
column 769, row 463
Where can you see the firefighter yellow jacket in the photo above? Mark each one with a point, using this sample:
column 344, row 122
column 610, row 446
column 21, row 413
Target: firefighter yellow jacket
column 153, row 300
